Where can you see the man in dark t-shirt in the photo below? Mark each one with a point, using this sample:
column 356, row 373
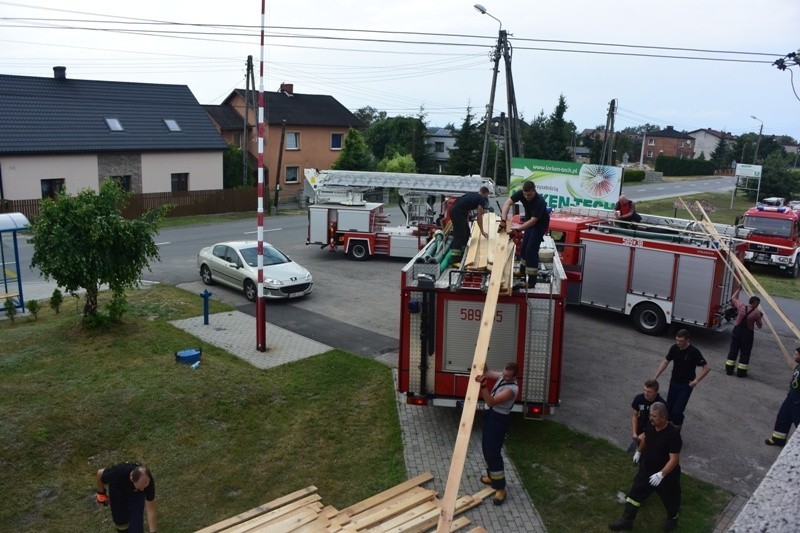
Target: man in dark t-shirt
column 640, row 411
column 459, row 215
column 537, row 222
column 685, row 359
column 131, row 490
column 659, row 471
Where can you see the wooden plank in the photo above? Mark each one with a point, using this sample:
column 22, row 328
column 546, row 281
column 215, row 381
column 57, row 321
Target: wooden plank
column 276, row 514
column 479, row 529
column 6, row 295
column 390, row 511
column 427, row 521
column 408, row 516
column 471, row 399
column 387, row 494
column 490, row 225
column 269, row 506
column 459, row 523
column 402, row 497
column 290, row 523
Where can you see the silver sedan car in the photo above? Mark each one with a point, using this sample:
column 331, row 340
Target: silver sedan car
column 235, row 264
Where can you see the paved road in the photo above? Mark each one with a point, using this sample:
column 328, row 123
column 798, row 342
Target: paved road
column 605, row 359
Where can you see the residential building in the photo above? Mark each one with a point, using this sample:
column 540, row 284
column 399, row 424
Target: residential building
column 668, row 142
column 313, row 128
column 706, row 140
column 68, row 134
column 439, row 142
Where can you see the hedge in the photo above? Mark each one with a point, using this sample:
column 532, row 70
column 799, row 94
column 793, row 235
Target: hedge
column 675, row 166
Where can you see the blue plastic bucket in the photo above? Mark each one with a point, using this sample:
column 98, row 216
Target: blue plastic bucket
column 189, row 356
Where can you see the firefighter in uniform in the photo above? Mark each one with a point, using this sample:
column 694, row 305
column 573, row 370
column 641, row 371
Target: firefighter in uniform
column 496, row 421
column 789, row 412
column 131, row 491
column 747, row 317
column 459, row 215
column 537, row 220
column 659, row 471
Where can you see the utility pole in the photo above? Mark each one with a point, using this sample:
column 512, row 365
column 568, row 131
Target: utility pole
column 608, row 142
column 514, row 147
column 249, row 100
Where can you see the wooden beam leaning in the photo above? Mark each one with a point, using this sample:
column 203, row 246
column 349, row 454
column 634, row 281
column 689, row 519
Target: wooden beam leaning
column 471, row 399
column 744, row 274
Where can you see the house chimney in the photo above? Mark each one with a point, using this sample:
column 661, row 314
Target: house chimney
column 287, row 88
column 669, row 127
column 60, row 73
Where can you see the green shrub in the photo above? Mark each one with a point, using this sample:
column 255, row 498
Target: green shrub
column 675, row 166
column 11, row 309
column 34, row 307
column 56, row 300
column 632, row 176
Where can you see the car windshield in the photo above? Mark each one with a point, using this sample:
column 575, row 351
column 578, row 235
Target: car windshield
column 272, row 256
column 774, row 227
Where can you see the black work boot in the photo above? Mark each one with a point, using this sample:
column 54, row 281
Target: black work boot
column 626, row 522
column 670, row 524
column 729, row 368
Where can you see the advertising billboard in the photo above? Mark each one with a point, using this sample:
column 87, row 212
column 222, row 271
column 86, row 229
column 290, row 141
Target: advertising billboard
column 566, row 184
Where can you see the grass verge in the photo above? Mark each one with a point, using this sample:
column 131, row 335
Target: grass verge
column 718, row 208
column 221, row 439
column 574, row 479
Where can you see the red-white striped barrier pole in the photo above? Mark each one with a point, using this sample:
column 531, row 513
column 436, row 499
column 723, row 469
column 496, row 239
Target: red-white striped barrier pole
column 261, row 310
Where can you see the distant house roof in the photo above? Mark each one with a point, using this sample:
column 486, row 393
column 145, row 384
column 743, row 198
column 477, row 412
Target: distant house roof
column 714, row 133
column 61, row 115
column 439, row 132
column 306, row 110
column 225, row 117
column 671, row 133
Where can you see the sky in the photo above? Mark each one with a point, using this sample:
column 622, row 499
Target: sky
column 434, row 55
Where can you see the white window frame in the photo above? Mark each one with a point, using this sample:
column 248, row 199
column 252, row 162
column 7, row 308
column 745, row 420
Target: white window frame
column 650, row 154
column 651, row 142
column 341, row 140
column 296, row 175
column 295, row 136
column 114, row 124
column 172, row 125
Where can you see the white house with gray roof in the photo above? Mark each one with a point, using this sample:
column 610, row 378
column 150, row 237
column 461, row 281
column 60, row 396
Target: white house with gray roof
column 67, row 134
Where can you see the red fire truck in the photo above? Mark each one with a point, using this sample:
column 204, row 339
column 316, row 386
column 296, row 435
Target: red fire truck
column 440, row 318
column 340, row 217
column 662, row 271
column 774, row 239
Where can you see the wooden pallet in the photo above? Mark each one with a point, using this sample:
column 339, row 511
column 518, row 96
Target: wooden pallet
column 405, row 508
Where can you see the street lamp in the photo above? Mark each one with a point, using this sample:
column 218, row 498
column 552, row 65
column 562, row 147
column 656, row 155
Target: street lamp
column 482, row 11
column 758, row 141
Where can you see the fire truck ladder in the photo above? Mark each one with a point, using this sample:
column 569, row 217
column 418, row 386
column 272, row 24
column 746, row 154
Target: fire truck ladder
column 690, row 227
column 335, row 180
column 539, row 336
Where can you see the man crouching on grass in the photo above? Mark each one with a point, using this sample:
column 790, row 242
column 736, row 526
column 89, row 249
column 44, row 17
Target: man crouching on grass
column 131, row 490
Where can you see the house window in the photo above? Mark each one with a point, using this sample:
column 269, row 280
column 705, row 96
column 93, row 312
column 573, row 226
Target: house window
column 292, row 140
column 291, row 174
column 172, row 125
column 51, row 188
column 114, row 124
column 237, row 139
column 651, row 142
column 336, row 141
column 123, row 181
column 438, row 147
column 650, row 153
column 688, row 143
column 180, row 181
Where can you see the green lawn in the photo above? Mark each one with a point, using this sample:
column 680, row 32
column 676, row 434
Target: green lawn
column 227, row 437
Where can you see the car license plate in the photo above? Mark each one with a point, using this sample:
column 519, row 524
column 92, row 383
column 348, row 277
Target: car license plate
column 762, row 258
column 295, row 294
column 481, row 405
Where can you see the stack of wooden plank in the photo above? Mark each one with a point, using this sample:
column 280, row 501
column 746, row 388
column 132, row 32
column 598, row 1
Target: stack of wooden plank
column 480, row 251
column 407, row 507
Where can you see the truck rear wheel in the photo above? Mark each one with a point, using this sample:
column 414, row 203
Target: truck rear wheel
column 358, row 251
column 795, row 270
column 648, row 318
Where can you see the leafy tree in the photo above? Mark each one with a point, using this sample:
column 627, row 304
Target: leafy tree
column 721, row 156
column 398, row 163
column 776, row 178
column 535, row 138
column 369, row 115
column 465, row 157
column 83, row 242
column 355, row 153
column 402, row 135
column 232, row 161
column 559, row 133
